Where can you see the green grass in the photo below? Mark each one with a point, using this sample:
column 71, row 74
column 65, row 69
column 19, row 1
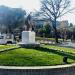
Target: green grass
column 48, row 39
column 64, row 49
column 31, row 57
column 41, row 38
column 7, row 46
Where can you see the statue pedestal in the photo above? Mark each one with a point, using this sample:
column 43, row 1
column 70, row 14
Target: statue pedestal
column 28, row 39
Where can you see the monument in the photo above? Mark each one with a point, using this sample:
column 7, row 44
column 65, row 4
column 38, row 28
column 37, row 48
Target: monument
column 28, row 35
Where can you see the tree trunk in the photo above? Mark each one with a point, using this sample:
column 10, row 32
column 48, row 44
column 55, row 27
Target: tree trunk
column 56, row 36
column 55, row 30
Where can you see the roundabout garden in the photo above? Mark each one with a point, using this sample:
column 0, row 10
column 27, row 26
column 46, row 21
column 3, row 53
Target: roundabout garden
column 45, row 55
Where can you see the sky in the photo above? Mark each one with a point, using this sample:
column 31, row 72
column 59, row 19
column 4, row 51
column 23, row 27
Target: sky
column 70, row 16
column 28, row 5
column 32, row 5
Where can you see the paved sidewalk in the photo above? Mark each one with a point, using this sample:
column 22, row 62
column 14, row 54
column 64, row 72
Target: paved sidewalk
column 68, row 44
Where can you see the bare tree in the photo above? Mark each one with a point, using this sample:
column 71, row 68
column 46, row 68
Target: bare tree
column 53, row 9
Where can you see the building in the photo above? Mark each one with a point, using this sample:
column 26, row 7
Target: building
column 40, row 22
column 64, row 24
column 60, row 24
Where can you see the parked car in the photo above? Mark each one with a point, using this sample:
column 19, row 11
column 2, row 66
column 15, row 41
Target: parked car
column 6, row 38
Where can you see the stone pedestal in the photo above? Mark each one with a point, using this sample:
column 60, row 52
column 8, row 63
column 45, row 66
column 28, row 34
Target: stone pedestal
column 28, row 37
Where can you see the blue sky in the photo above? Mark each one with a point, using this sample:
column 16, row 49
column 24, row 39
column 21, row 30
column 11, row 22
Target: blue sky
column 32, row 5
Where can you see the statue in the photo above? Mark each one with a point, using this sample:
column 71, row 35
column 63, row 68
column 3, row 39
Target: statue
column 28, row 23
column 28, row 35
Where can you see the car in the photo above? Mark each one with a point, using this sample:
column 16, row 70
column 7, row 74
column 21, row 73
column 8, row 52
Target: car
column 6, row 38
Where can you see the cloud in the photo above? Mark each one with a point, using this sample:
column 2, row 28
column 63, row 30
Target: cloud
column 29, row 5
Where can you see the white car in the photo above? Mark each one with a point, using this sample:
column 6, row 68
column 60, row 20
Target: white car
column 6, row 38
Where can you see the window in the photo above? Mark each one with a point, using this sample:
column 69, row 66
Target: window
column 1, row 37
column 9, row 37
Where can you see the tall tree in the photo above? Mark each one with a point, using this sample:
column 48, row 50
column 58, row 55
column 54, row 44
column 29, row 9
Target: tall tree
column 15, row 19
column 53, row 9
column 47, row 28
column 11, row 18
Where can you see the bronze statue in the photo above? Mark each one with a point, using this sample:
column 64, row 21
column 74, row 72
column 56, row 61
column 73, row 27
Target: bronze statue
column 28, row 23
